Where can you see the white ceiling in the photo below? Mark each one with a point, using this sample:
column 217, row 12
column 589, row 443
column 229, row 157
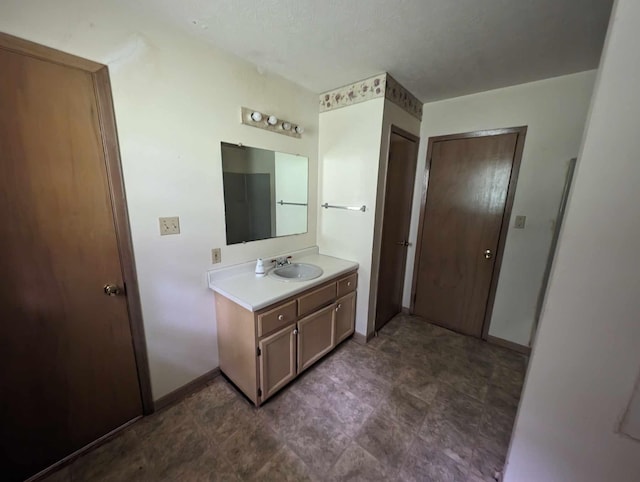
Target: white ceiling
column 435, row 48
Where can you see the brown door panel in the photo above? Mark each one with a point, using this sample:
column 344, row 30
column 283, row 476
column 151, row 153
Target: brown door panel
column 68, row 367
column 395, row 229
column 469, row 180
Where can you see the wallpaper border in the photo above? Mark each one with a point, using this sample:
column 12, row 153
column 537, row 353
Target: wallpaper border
column 381, row 85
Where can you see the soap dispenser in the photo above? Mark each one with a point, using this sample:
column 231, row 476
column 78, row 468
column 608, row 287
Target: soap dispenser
column 259, row 268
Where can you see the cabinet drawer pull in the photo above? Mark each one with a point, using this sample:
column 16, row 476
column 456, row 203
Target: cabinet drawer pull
column 280, row 317
column 347, row 285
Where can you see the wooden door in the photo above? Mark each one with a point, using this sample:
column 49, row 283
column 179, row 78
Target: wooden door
column 395, row 228
column 277, row 360
column 463, row 226
column 68, row 373
column 315, row 337
column 345, row 317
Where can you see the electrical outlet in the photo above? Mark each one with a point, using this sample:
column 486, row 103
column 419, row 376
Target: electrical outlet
column 169, row 225
column 520, row 220
column 216, row 256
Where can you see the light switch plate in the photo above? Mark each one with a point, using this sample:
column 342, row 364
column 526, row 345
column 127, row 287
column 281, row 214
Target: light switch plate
column 520, row 221
column 216, row 256
column 169, row 225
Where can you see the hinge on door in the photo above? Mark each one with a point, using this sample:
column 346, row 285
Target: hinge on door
column 259, row 392
column 258, row 351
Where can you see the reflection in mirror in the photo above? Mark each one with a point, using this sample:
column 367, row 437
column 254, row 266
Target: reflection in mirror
column 265, row 193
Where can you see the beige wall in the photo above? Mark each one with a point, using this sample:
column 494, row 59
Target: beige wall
column 348, row 153
column 353, row 150
column 586, row 355
column 555, row 111
column 175, row 100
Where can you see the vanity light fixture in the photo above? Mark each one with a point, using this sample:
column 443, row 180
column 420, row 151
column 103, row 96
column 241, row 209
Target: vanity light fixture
column 270, row 122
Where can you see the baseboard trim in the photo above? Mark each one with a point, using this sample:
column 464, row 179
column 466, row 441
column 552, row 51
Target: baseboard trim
column 73, row 456
column 525, row 350
column 185, row 390
column 362, row 339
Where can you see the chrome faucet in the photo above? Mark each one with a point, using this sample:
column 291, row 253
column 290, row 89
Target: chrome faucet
column 281, row 261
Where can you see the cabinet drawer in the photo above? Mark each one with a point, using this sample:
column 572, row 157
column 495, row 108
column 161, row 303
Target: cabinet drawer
column 277, row 317
column 317, row 298
column 347, row 285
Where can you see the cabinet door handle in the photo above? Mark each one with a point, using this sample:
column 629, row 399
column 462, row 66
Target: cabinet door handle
column 348, row 283
column 280, row 317
column 295, row 331
column 339, row 306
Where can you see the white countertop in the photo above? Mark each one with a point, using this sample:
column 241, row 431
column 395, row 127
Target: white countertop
column 241, row 285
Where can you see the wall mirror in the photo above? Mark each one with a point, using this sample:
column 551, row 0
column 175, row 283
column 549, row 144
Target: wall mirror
column 265, row 193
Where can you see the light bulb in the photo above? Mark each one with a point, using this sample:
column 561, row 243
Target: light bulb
column 272, row 120
column 286, row 126
column 299, row 129
column 256, row 116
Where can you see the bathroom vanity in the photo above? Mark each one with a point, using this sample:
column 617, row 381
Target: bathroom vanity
column 270, row 331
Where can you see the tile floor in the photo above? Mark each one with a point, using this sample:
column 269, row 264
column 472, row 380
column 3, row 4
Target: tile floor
column 418, row 403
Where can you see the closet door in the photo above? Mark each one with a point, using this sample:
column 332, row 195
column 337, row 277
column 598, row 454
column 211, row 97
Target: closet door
column 68, row 373
column 464, row 223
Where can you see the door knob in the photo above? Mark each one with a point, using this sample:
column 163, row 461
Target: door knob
column 112, row 290
column 403, row 243
column 488, row 254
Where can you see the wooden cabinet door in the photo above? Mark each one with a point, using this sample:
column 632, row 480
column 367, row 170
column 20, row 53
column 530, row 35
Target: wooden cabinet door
column 345, row 317
column 315, row 337
column 277, row 360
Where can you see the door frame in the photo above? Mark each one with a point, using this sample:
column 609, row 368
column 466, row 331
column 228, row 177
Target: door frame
column 379, row 222
column 521, row 131
column 109, row 137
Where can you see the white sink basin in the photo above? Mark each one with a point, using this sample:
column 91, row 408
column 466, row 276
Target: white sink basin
column 296, row 272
